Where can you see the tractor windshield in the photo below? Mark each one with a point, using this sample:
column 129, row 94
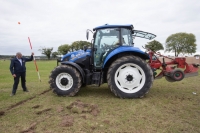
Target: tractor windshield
column 106, row 36
column 112, row 36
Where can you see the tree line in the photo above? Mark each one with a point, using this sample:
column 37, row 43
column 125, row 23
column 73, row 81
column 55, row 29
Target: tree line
column 178, row 43
column 63, row 49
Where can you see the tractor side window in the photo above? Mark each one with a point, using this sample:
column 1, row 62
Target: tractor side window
column 127, row 37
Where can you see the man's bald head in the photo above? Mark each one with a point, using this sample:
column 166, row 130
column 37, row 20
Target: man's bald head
column 19, row 55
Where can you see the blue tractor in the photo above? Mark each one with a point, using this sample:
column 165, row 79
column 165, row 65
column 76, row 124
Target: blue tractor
column 112, row 59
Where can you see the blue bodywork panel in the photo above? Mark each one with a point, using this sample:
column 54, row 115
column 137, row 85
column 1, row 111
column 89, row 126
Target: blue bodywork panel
column 120, row 50
column 73, row 56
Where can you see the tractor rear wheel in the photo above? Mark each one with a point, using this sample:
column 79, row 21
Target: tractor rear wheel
column 65, row 80
column 130, row 77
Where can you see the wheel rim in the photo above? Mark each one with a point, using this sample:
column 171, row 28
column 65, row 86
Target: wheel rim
column 178, row 75
column 64, row 81
column 130, row 78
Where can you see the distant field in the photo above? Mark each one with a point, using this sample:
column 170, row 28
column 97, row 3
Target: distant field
column 168, row 107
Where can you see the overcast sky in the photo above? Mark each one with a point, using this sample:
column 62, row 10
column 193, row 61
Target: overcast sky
column 51, row 23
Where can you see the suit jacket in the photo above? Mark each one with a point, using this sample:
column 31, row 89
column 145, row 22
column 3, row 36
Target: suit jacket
column 16, row 67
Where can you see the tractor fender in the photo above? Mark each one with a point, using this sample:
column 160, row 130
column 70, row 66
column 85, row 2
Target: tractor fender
column 77, row 67
column 124, row 49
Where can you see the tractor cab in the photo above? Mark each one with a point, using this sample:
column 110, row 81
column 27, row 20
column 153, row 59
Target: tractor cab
column 107, row 38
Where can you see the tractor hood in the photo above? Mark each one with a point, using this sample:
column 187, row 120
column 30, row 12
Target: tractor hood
column 75, row 55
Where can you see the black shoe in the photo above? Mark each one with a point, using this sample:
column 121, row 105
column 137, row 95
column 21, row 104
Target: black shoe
column 26, row 91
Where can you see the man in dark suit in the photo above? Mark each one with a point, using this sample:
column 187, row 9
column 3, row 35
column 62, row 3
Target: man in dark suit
column 18, row 69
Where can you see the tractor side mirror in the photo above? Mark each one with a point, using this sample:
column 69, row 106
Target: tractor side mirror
column 94, row 34
column 87, row 34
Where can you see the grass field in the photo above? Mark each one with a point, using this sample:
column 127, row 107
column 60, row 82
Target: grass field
column 168, row 107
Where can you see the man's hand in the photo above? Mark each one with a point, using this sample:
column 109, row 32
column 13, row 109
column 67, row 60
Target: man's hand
column 14, row 75
column 32, row 53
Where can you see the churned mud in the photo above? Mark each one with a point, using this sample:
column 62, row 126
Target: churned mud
column 45, row 92
column 67, row 121
column 42, row 111
column 80, row 107
column 60, row 109
column 106, row 121
column 30, row 129
column 21, row 102
column 2, row 113
column 77, row 107
column 36, row 106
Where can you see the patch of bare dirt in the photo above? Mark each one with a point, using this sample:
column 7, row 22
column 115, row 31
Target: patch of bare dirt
column 36, row 106
column 106, row 121
column 30, row 129
column 80, row 107
column 42, row 111
column 22, row 102
column 2, row 113
column 60, row 109
column 45, row 92
column 19, row 103
column 94, row 110
column 67, row 121
column 84, row 116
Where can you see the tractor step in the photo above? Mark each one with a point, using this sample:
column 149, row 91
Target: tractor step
column 96, row 78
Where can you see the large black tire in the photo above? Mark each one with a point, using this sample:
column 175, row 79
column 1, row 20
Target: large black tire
column 65, row 80
column 130, row 77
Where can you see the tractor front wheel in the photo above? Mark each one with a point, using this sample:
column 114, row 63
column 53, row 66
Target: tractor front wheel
column 130, row 77
column 65, row 80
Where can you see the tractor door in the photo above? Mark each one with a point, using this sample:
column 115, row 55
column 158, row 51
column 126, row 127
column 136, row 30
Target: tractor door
column 105, row 41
